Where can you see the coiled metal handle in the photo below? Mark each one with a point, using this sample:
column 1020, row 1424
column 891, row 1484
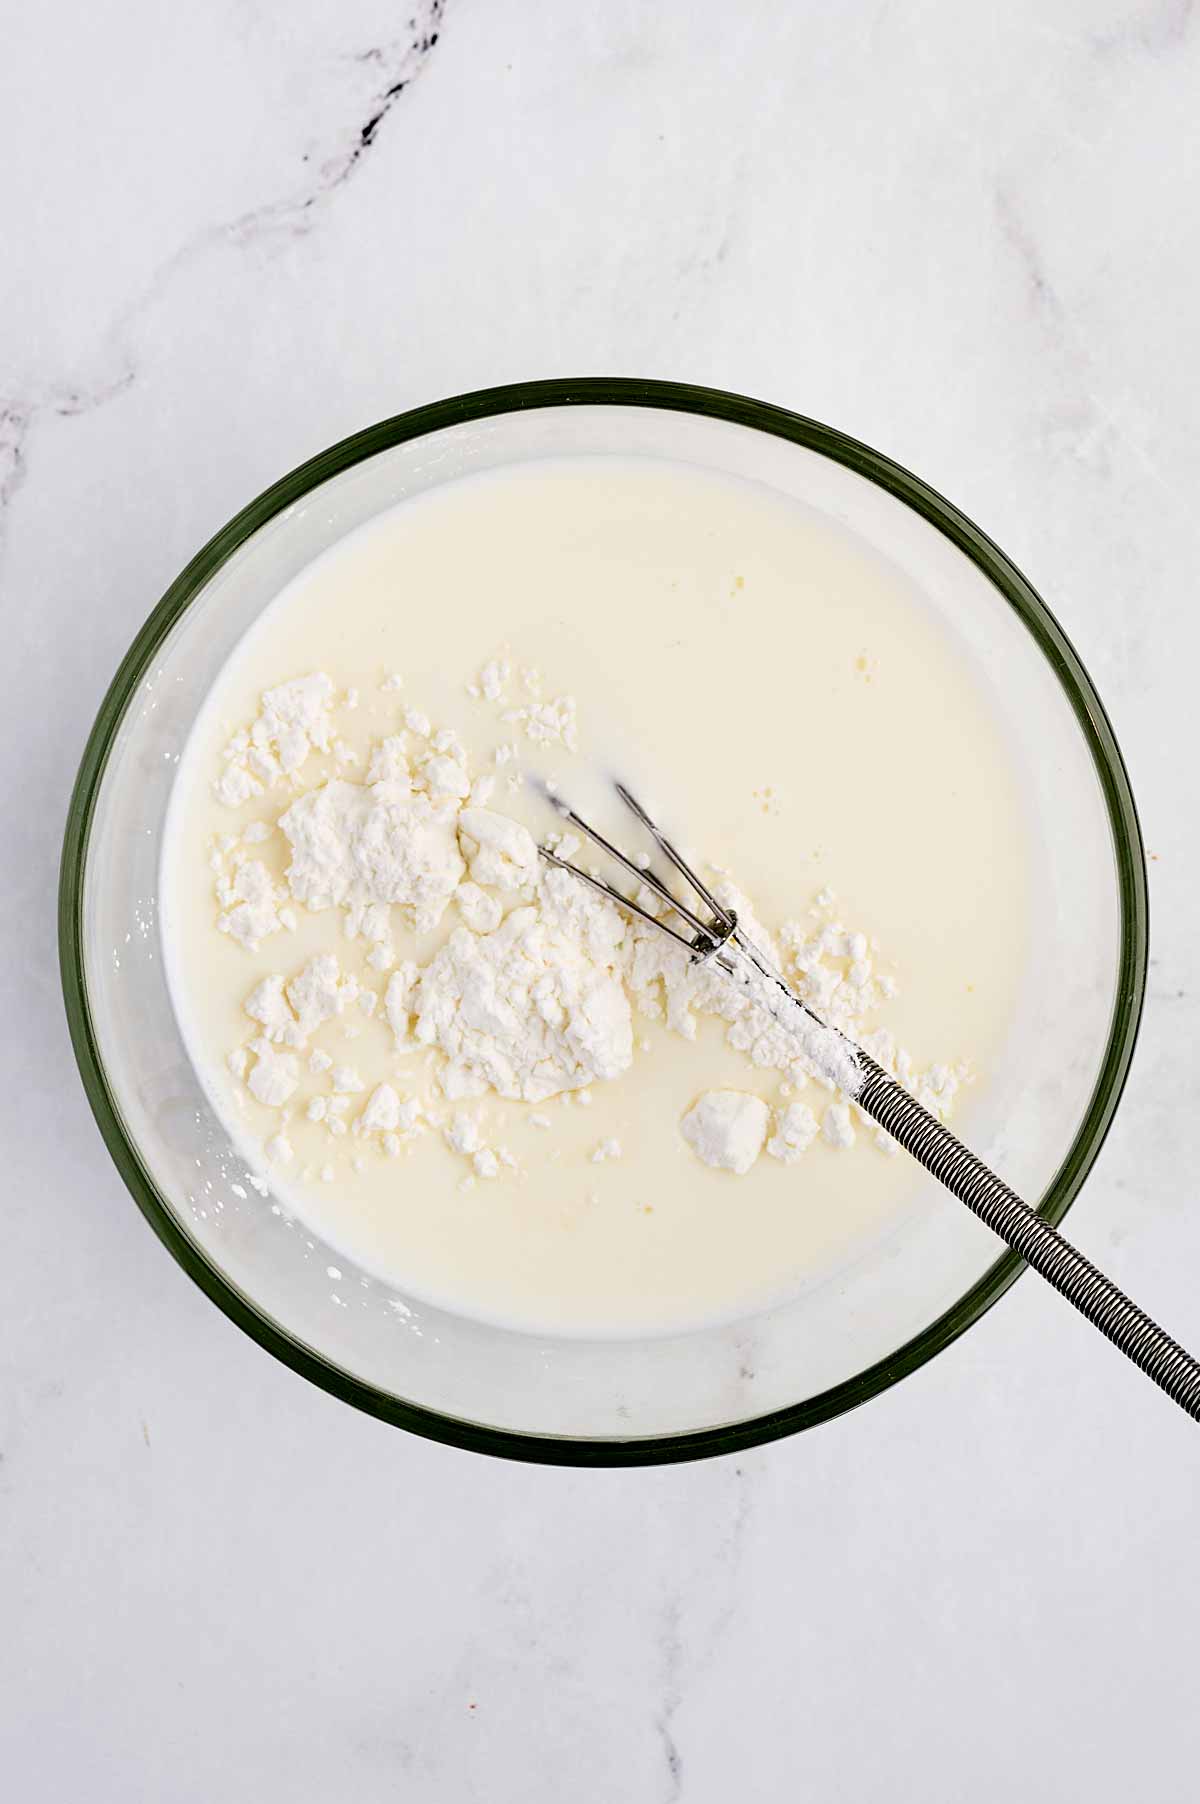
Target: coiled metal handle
column 714, row 937
column 1040, row 1245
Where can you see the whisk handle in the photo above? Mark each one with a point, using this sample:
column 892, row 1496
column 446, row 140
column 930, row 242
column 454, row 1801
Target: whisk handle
column 1040, row 1245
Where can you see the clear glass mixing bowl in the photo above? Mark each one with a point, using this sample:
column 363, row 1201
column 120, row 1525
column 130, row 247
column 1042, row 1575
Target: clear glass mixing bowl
column 854, row 1330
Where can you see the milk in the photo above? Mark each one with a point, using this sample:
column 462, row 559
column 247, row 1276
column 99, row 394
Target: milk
column 770, row 687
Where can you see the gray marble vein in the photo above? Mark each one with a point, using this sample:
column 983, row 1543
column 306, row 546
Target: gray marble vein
column 1158, row 29
column 671, row 1655
column 393, row 67
column 389, row 68
column 14, row 424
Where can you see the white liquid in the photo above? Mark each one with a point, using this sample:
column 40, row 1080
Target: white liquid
column 780, row 697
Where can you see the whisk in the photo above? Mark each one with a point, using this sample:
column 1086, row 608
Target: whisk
column 710, row 934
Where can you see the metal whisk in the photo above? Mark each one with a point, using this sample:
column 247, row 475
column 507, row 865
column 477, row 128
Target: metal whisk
column 713, row 936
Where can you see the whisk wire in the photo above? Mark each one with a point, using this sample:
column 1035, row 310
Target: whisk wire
column 643, row 874
column 669, row 851
column 893, row 1108
column 615, row 895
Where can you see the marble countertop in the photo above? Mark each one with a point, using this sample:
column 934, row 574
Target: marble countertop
column 237, row 231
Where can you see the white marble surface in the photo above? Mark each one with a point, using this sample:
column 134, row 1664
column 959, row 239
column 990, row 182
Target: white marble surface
column 968, row 234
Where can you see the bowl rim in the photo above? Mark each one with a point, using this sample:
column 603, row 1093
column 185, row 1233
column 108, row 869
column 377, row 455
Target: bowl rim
column 1012, row 586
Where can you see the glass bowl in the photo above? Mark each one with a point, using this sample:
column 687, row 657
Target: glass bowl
column 853, row 1331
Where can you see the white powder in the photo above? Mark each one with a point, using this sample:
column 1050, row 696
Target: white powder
column 523, row 1011
column 389, row 761
column 319, row 992
column 294, row 721
column 386, row 1113
column 463, row 1134
column 836, row 1125
column 444, row 775
column 353, row 844
column 250, row 904
column 726, row 1129
column 493, row 678
column 267, row 1004
column 397, row 1000
column 822, row 1050
column 275, row 1075
column 549, row 723
column 527, row 1005
column 795, row 1130
column 481, row 912
column 764, row 1021
column 500, row 852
